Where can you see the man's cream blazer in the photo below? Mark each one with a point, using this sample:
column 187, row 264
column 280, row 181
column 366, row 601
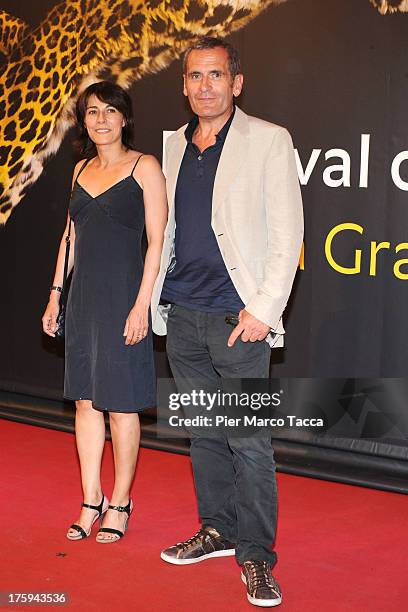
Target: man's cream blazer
column 257, row 217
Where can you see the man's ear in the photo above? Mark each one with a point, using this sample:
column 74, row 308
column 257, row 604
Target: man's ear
column 184, row 85
column 238, row 84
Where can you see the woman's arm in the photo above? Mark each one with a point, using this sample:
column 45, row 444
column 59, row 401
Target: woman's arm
column 49, row 319
column 150, row 176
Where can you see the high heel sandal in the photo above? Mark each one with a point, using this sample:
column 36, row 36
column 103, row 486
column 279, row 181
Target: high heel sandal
column 116, row 532
column 81, row 531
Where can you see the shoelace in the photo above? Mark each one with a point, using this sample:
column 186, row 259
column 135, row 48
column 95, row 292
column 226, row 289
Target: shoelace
column 260, row 575
column 193, row 540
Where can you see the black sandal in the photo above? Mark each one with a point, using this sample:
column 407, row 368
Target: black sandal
column 116, row 532
column 81, row 531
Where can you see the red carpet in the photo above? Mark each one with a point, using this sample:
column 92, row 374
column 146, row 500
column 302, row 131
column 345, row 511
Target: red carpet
column 340, row 548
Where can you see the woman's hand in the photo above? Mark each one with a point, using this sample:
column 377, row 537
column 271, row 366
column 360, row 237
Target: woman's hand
column 49, row 320
column 136, row 325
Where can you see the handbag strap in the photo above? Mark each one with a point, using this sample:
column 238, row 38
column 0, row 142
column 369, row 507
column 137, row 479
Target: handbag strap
column 68, row 240
column 66, row 261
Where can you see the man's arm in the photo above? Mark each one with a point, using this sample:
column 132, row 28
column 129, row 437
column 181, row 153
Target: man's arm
column 284, row 219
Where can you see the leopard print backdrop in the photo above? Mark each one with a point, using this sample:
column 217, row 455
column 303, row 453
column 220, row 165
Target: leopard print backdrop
column 79, row 42
column 42, row 71
column 391, row 6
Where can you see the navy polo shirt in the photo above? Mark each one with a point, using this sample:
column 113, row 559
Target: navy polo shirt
column 198, row 278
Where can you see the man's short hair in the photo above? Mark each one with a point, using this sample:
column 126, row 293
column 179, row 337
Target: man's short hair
column 210, row 42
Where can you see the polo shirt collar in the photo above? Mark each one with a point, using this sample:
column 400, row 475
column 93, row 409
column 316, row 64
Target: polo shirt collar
column 220, row 137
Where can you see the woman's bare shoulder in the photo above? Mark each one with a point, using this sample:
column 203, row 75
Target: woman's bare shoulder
column 148, row 163
column 78, row 167
column 79, row 164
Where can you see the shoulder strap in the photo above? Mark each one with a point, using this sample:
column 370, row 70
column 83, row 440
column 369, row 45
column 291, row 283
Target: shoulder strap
column 82, row 167
column 137, row 161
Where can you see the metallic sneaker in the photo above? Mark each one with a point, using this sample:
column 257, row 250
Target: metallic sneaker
column 262, row 588
column 205, row 544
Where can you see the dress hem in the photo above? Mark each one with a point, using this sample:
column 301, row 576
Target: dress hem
column 101, row 409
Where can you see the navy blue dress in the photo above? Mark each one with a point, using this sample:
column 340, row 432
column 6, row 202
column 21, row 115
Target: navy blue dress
column 108, row 268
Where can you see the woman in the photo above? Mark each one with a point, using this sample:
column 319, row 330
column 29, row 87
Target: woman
column 109, row 366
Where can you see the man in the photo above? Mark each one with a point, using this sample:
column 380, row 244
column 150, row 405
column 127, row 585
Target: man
column 232, row 246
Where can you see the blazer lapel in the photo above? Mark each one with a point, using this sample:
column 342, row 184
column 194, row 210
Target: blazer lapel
column 173, row 164
column 232, row 157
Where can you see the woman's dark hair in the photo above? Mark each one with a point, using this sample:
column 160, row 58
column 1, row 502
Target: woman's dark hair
column 115, row 96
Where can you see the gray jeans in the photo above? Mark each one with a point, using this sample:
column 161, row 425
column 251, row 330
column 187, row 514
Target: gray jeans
column 234, row 476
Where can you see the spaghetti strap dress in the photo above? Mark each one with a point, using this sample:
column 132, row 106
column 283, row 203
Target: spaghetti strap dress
column 108, row 269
